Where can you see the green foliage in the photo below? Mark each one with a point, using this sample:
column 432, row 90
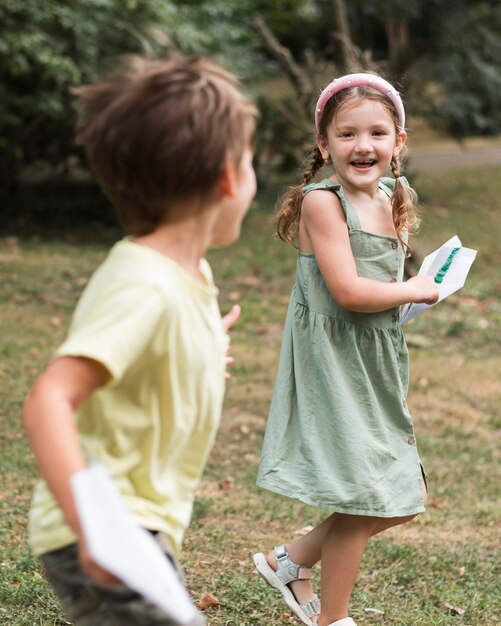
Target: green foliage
column 469, row 68
column 45, row 48
column 453, row 62
column 48, row 46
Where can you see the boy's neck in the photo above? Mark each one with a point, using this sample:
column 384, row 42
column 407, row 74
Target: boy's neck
column 186, row 242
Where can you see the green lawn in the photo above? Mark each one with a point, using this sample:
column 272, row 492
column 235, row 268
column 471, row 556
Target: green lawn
column 448, row 557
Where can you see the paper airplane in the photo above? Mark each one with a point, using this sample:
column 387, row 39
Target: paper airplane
column 449, row 266
column 125, row 549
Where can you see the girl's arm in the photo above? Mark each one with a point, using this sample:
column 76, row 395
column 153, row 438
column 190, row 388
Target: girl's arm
column 324, row 224
column 49, row 420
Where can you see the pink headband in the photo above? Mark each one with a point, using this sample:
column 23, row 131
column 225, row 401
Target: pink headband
column 355, row 80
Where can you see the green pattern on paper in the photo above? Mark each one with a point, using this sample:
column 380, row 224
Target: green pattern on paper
column 439, row 276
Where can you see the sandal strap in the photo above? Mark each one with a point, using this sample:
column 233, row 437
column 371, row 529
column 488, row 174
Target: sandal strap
column 312, row 607
column 287, row 570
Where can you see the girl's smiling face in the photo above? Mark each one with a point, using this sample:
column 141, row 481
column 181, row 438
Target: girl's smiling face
column 361, row 141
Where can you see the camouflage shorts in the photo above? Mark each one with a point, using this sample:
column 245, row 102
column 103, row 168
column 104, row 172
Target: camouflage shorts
column 87, row 603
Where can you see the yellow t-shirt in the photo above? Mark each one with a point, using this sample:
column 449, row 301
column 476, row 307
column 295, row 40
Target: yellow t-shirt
column 158, row 331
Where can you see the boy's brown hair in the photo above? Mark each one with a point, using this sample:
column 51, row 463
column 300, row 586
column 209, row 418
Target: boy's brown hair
column 159, row 132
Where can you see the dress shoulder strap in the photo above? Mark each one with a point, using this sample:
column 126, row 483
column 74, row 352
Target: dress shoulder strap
column 388, row 184
column 352, row 220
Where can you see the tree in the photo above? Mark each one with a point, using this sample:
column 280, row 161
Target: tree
column 463, row 71
column 45, row 48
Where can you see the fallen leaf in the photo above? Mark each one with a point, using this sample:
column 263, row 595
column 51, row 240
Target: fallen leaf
column 285, row 616
column 461, row 571
column 457, row 610
column 227, row 484
column 208, row 600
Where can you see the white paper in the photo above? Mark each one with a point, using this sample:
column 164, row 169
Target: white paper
column 125, row 549
column 453, row 279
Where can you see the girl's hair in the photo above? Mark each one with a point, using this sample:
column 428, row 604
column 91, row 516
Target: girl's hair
column 403, row 200
column 159, row 132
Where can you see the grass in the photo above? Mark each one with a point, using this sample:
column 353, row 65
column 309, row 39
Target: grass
column 448, row 557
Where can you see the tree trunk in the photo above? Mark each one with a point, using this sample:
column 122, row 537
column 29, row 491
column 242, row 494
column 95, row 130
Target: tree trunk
column 284, row 58
column 397, row 33
column 343, row 34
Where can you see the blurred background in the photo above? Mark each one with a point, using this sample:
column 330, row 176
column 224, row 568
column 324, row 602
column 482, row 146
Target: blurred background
column 445, row 57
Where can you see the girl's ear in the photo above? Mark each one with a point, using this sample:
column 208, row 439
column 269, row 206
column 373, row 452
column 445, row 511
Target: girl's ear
column 227, row 181
column 322, row 146
column 400, row 142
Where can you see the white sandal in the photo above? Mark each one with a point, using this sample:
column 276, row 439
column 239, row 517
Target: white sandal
column 346, row 621
column 287, row 572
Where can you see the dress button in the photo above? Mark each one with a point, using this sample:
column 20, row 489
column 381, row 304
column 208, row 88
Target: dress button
column 404, row 403
column 394, row 318
column 411, row 441
column 394, row 245
column 393, row 280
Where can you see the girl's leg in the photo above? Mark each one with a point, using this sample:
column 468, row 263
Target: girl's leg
column 307, row 550
column 342, row 551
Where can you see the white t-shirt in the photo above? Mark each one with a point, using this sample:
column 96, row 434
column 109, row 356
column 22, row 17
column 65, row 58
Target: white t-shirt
column 158, row 331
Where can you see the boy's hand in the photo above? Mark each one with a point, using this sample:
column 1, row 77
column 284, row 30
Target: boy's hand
column 92, row 569
column 231, row 318
column 228, row 320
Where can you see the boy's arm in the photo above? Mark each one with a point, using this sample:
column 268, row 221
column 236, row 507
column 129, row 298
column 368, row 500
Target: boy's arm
column 49, row 420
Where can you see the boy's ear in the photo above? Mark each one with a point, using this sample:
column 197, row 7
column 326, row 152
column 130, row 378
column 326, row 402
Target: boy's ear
column 227, row 182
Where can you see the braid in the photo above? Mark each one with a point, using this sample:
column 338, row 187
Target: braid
column 315, row 164
column 289, row 206
column 403, row 204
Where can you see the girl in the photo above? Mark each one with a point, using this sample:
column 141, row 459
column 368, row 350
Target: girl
column 339, row 433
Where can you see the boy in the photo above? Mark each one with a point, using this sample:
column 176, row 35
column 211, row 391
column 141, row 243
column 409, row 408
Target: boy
column 138, row 383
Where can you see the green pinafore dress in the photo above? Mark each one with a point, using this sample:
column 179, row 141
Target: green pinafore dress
column 339, row 434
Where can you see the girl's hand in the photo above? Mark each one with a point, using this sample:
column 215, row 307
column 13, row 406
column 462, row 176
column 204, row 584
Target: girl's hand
column 426, row 290
column 92, row 569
